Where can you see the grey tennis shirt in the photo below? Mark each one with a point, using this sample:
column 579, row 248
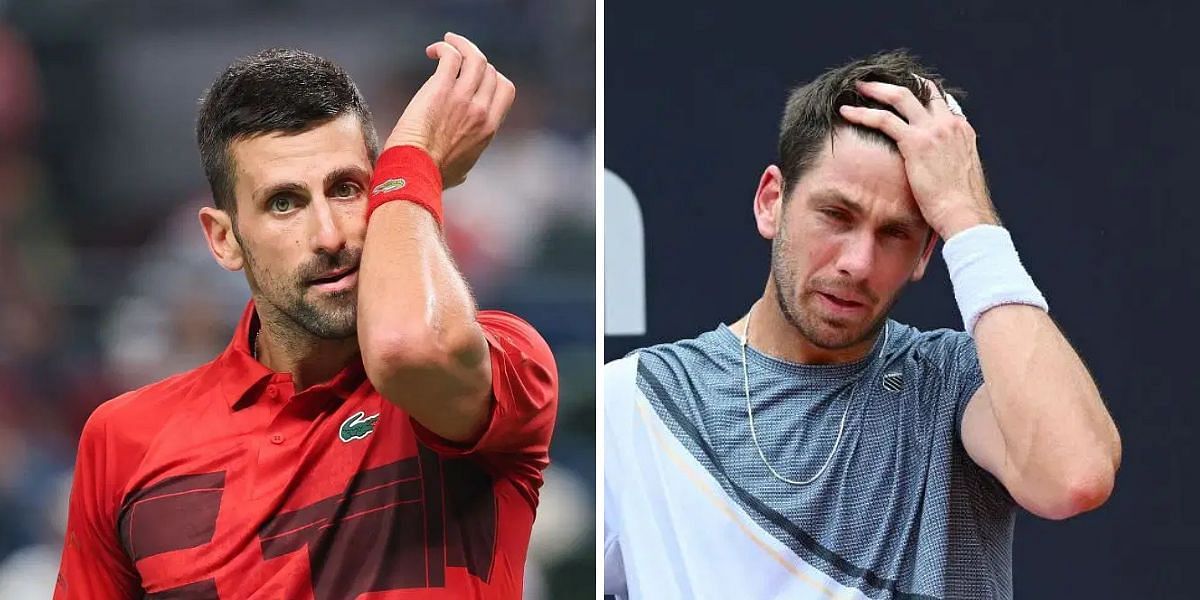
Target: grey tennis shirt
column 901, row 512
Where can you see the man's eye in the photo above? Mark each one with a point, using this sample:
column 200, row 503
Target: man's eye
column 345, row 189
column 899, row 234
column 836, row 215
column 282, row 204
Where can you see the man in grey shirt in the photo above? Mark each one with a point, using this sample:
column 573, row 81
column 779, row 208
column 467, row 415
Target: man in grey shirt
column 816, row 448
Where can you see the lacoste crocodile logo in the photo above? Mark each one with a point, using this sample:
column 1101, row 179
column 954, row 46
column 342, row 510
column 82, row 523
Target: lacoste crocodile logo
column 390, row 185
column 357, row 427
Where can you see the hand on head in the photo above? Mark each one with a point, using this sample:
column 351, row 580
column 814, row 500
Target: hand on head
column 940, row 156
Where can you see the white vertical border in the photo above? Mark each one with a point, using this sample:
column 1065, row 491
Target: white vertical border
column 599, row 298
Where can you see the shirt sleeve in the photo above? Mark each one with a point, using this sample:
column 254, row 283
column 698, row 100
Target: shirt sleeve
column 966, row 376
column 94, row 565
column 524, row 398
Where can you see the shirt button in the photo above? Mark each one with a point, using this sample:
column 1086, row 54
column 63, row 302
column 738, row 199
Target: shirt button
column 276, row 439
column 271, row 392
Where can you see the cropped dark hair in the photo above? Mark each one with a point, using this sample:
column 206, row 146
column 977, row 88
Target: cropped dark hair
column 276, row 90
column 811, row 114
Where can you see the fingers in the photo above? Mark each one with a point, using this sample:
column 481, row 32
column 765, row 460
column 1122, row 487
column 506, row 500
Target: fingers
column 876, row 118
column 502, row 100
column 465, row 69
column 449, row 60
column 474, row 65
column 487, row 88
column 898, row 97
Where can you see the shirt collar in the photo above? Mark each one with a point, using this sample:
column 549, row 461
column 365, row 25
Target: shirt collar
column 241, row 377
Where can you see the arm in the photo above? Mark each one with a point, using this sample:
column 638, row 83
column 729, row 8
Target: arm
column 94, row 565
column 1038, row 423
column 421, row 344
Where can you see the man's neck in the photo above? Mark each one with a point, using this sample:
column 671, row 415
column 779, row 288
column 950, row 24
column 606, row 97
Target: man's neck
column 772, row 334
column 310, row 360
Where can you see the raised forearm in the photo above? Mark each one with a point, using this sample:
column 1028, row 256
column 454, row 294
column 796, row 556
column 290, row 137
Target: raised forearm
column 420, row 343
column 1061, row 447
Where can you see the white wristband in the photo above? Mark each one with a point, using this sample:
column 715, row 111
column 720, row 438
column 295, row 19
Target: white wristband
column 986, row 273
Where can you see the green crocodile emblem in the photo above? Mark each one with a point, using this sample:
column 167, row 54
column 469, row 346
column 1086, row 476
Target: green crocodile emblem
column 357, row 427
column 390, row 185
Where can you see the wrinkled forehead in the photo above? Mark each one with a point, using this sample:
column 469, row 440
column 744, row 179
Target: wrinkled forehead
column 864, row 170
column 306, row 158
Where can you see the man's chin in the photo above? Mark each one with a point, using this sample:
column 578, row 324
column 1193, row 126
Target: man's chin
column 331, row 300
column 837, row 334
column 330, row 317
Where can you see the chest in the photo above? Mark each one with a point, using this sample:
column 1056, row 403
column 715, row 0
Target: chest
column 305, row 500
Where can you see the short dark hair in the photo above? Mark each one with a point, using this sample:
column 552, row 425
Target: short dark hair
column 276, row 90
column 811, row 114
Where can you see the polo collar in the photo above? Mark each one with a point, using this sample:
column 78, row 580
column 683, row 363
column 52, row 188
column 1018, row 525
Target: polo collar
column 241, row 377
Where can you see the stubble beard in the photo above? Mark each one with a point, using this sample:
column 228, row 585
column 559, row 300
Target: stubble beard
column 329, row 316
column 819, row 332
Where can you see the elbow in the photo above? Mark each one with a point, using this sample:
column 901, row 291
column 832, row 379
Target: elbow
column 1074, row 494
column 402, row 359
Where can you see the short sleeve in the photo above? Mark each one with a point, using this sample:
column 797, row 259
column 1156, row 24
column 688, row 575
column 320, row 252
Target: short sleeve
column 94, row 565
column 524, row 399
column 964, row 375
column 950, row 362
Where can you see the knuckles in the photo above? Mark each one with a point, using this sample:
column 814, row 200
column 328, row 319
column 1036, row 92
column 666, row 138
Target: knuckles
column 476, row 113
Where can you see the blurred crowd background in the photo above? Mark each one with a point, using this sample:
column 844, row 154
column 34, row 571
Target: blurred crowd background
column 106, row 284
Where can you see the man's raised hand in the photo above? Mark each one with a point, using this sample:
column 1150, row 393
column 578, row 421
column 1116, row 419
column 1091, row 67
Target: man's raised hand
column 940, row 156
column 456, row 113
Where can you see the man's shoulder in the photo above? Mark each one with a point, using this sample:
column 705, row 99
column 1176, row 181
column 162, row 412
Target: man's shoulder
column 619, row 374
column 709, row 344
column 940, row 348
column 673, row 370
column 134, row 417
column 513, row 333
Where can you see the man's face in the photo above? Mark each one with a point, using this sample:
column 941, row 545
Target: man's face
column 850, row 236
column 300, row 221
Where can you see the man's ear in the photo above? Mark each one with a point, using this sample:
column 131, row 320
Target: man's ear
column 926, row 254
column 218, row 231
column 768, row 202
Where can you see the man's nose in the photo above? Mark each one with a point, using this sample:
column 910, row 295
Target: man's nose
column 327, row 236
column 856, row 255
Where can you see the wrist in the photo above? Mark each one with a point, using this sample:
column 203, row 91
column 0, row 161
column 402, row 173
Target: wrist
column 397, row 142
column 986, row 272
column 960, row 222
column 406, row 173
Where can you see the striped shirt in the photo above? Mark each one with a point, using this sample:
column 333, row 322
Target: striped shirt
column 901, row 511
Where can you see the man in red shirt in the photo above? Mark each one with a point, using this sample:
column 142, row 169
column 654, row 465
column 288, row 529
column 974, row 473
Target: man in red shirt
column 367, row 433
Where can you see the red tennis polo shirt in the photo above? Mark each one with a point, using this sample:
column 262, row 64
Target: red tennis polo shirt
column 224, row 482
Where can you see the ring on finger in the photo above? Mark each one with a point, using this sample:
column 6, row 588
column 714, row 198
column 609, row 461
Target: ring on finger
column 953, row 105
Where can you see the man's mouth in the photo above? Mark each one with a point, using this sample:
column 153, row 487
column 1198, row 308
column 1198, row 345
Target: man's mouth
column 336, row 280
column 847, row 303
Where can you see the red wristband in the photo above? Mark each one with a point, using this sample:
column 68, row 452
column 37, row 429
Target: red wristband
column 406, row 173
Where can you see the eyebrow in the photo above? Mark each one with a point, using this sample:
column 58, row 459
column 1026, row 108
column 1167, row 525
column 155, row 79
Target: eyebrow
column 334, row 176
column 833, row 196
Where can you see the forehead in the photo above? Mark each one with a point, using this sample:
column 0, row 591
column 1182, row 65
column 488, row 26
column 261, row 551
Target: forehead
column 865, row 171
column 306, row 157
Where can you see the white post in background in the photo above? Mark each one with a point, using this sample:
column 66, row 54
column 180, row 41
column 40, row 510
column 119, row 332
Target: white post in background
column 624, row 260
